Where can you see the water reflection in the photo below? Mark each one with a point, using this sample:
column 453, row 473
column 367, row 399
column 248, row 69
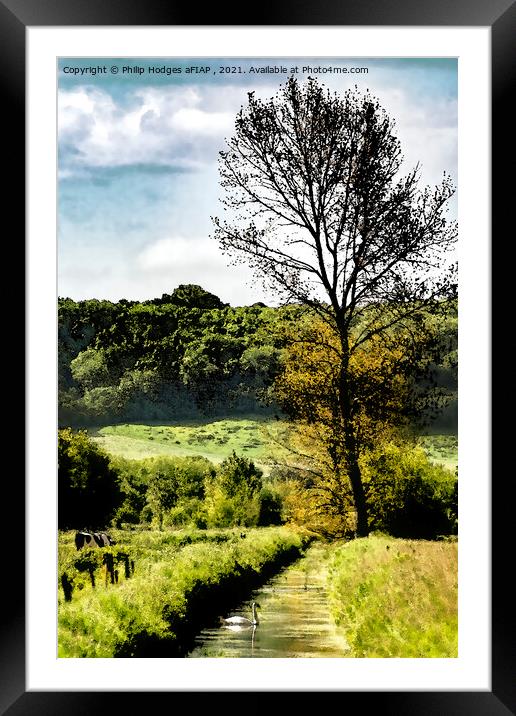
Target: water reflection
column 249, row 630
column 294, row 618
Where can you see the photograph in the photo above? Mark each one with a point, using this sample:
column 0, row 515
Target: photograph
column 257, row 347
column 258, row 356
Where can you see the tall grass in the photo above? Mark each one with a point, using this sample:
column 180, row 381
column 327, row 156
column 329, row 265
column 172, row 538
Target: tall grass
column 395, row 597
column 173, row 592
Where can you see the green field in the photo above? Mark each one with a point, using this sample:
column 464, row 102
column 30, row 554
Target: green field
column 257, row 439
column 442, row 449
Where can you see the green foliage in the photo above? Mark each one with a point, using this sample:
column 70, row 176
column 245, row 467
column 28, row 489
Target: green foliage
column 88, row 487
column 133, row 485
column 92, row 566
column 178, row 355
column 238, row 475
column 168, row 490
column 99, row 402
column 396, row 598
column 184, row 355
column 263, row 362
column 187, row 511
column 161, row 494
column 271, row 507
column 407, row 495
column 232, row 496
column 154, row 486
column 146, row 514
column 90, row 369
column 192, row 296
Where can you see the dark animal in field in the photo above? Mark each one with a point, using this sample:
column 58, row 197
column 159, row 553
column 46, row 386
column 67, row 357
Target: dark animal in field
column 92, row 539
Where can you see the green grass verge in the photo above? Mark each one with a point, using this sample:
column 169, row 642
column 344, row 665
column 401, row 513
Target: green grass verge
column 396, row 598
column 175, row 589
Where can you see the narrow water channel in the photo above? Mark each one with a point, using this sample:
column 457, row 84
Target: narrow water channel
column 294, row 618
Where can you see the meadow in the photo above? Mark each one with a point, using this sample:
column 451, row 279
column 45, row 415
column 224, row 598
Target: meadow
column 396, row 597
column 442, row 449
column 257, row 438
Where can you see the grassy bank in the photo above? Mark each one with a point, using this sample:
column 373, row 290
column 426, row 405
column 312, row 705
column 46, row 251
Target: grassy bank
column 396, row 598
column 176, row 587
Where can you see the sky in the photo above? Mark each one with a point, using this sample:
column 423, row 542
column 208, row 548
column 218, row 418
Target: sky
column 137, row 161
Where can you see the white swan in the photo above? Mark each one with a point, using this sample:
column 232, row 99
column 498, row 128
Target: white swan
column 242, row 621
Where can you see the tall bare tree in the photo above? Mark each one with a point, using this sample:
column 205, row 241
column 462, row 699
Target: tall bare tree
column 317, row 207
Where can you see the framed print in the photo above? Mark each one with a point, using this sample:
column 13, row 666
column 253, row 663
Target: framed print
column 125, row 117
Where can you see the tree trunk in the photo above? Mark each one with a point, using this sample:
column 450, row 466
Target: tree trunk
column 355, row 475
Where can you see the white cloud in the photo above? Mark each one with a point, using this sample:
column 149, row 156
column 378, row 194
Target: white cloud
column 166, row 263
column 427, row 131
column 72, row 106
column 184, row 127
column 109, row 272
column 181, row 255
column 166, row 128
column 188, row 119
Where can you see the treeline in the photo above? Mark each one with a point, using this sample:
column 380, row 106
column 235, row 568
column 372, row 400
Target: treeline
column 186, row 354
column 96, row 490
column 408, row 496
column 182, row 355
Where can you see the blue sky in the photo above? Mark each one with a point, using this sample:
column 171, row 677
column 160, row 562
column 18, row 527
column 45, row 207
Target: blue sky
column 137, row 162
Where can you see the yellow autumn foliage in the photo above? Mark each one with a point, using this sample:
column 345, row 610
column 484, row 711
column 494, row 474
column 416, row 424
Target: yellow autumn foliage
column 308, row 390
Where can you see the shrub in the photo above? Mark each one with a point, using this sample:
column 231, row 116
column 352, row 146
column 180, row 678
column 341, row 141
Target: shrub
column 88, row 487
column 237, row 474
column 188, row 511
column 232, row 496
column 146, row 514
column 407, row 495
column 90, row 369
column 222, row 510
column 166, row 488
column 271, row 506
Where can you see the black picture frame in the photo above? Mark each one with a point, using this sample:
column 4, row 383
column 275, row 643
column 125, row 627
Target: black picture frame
column 500, row 17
